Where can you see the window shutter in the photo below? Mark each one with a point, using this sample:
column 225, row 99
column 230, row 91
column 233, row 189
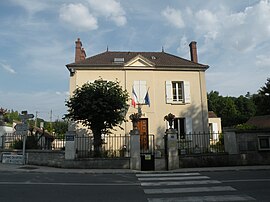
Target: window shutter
column 187, row 98
column 215, row 131
column 215, row 127
column 169, row 96
column 136, row 87
column 188, row 128
column 142, row 92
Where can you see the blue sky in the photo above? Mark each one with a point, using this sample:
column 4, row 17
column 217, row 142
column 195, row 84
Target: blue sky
column 37, row 41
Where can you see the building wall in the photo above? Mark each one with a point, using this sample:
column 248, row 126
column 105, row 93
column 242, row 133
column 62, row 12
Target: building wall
column 216, row 121
column 197, row 109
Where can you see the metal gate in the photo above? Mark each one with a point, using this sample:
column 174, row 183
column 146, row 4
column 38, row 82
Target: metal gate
column 148, row 153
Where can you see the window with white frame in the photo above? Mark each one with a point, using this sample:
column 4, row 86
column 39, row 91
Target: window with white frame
column 178, row 92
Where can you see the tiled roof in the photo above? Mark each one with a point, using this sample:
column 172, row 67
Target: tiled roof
column 212, row 114
column 260, row 121
column 158, row 59
column 45, row 133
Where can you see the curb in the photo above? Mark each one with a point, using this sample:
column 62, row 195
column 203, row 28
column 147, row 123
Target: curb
column 44, row 169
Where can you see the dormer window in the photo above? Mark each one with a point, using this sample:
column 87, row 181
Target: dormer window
column 119, row 60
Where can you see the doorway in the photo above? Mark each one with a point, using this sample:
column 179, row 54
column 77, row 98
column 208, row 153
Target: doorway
column 144, row 139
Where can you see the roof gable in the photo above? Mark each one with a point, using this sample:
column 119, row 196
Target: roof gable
column 139, row 61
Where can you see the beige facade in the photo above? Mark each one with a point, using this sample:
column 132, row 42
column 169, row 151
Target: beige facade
column 174, row 88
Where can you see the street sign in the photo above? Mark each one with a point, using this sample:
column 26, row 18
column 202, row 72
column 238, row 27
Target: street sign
column 26, row 116
column 21, row 127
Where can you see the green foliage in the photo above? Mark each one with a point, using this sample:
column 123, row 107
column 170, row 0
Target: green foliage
column 100, row 106
column 245, row 126
column 231, row 110
column 60, row 127
column 11, row 116
column 31, row 143
column 262, row 99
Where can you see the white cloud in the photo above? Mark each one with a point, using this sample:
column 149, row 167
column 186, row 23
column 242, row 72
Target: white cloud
column 174, row 17
column 183, row 49
column 111, row 9
column 8, row 68
column 78, row 16
column 32, row 6
column 263, row 61
column 206, row 21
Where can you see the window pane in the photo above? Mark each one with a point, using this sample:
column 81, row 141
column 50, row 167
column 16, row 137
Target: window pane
column 180, row 94
column 177, row 91
column 174, row 91
column 264, row 143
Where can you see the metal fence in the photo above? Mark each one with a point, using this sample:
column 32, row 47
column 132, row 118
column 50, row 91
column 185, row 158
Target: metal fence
column 15, row 141
column 201, row 143
column 113, row 146
column 147, row 145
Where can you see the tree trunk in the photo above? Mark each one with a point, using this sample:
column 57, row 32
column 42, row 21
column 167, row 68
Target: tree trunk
column 97, row 144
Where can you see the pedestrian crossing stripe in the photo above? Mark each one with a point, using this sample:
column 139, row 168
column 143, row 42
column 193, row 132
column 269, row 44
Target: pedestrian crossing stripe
column 175, row 183
column 181, row 179
column 173, row 178
column 166, row 174
column 234, row 198
column 188, row 190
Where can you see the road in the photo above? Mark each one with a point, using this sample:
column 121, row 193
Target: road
column 153, row 187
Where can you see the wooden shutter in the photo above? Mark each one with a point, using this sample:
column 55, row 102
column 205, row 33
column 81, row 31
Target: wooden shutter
column 136, row 87
column 143, row 90
column 187, row 98
column 169, row 96
column 140, row 90
column 215, row 131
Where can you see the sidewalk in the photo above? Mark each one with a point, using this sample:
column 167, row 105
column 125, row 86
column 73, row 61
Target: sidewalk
column 33, row 168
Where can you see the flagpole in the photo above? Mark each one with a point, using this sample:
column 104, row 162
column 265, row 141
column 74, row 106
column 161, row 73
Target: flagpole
column 139, row 109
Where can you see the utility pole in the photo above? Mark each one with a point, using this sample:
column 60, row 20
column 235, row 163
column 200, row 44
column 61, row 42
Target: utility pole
column 36, row 119
column 51, row 119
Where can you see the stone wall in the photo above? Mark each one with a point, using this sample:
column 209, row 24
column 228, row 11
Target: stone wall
column 220, row 160
column 57, row 159
column 45, row 157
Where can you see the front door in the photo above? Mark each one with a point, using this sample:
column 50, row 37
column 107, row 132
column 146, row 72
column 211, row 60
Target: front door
column 143, row 128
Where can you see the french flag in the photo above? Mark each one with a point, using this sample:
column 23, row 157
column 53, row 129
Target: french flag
column 134, row 98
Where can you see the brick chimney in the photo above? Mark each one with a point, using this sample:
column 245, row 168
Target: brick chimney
column 83, row 54
column 79, row 51
column 193, row 51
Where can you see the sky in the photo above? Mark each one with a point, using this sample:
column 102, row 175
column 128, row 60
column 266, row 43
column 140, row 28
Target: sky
column 37, row 40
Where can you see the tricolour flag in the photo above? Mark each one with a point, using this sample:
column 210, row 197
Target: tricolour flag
column 134, row 98
column 147, row 98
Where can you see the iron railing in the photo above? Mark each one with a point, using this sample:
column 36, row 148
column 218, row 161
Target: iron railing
column 147, row 144
column 113, row 146
column 201, row 143
column 15, row 141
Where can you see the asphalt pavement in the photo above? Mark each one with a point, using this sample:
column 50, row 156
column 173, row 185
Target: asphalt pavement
column 35, row 168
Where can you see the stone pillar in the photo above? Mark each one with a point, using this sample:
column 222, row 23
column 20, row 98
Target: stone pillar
column 230, row 142
column 172, row 149
column 70, row 147
column 135, row 152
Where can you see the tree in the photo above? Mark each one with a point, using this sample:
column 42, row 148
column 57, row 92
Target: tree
column 262, row 99
column 246, row 108
column 100, row 106
column 231, row 110
column 60, row 128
